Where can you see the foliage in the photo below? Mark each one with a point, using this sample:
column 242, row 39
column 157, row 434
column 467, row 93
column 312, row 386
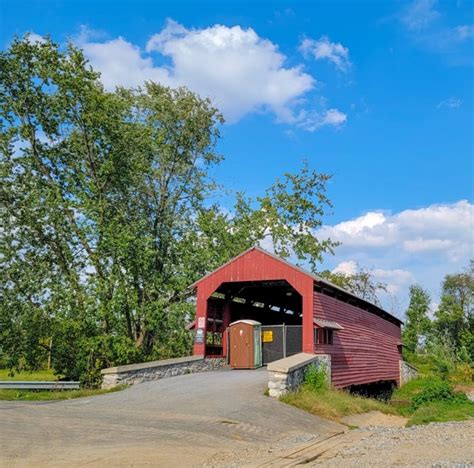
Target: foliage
column 6, row 374
column 417, row 324
column 438, row 390
column 422, row 400
column 430, row 399
column 446, row 342
column 42, row 395
column 315, row 377
column 462, row 374
column 333, row 404
column 361, row 283
column 442, row 411
column 107, row 215
column 453, row 324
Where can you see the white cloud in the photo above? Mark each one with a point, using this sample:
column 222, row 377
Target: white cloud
column 323, row 48
column 240, row 71
column 446, row 228
column 33, row 37
column 427, row 245
column 420, row 14
column 122, row 63
column 394, row 279
column 450, row 103
column 464, row 31
column 314, row 120
column 417, row 245
column 349, row 267
column 429, row 29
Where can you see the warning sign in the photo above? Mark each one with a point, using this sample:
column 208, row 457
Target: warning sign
column 267, row 336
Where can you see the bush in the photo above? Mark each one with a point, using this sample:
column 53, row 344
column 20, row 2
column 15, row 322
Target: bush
column 436, row 391
column 315, row 378
column 462, row 374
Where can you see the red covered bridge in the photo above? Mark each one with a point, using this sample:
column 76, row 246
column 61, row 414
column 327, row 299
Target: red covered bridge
column 362, row 339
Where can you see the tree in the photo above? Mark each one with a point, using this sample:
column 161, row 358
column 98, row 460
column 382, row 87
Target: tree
column 106, row 213
column 454, row 319
column 417, row 324
column 361, row 283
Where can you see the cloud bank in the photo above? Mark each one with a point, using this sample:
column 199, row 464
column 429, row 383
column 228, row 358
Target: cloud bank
column 416, row 245
column 238, row 70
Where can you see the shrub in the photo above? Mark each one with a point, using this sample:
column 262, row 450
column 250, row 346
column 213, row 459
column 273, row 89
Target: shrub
column 462, row 374
column 436, row 391
column 315, row 377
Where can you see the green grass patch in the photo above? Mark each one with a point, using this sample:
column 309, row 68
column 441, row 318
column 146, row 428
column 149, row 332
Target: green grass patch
column 442, row 411
column 6, row 374
column 334, row 404
column 43, row 395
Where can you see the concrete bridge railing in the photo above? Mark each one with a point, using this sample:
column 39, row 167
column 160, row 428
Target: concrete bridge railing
column 145, row 371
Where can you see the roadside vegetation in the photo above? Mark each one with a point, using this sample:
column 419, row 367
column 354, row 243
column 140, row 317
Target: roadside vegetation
column 45, row 375
column 431, row 399
column 43, row 395
column 423, row 400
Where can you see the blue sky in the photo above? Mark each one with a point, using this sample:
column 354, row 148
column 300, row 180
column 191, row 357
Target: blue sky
column 379, row 94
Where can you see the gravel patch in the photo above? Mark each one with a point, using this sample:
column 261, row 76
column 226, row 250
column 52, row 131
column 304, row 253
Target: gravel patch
column 433, row 445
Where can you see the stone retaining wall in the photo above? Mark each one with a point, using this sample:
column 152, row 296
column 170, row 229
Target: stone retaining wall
column 286, row 375
column 407, row 372
column 146, row 371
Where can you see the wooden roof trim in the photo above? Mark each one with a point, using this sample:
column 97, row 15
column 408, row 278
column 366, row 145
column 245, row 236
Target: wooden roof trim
column 315, row 278
column 258, row 249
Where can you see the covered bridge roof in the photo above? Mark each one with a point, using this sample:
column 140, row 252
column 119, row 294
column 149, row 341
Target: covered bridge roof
column 320, row 283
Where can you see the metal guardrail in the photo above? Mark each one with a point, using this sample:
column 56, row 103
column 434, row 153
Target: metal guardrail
column 39, row 385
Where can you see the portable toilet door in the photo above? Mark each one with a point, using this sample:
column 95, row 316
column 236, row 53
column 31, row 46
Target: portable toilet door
column 245, row 344
column 257, row 345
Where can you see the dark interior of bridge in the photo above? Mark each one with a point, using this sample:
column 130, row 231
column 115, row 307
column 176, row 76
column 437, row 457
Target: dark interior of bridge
column 267, row 302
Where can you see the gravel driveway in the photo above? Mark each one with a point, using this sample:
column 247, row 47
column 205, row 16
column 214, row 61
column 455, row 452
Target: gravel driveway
column 180, row 421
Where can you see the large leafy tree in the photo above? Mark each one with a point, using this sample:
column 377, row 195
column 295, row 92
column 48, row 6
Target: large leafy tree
column 107, row 214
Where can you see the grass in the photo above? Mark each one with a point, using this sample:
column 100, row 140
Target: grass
column 43, row 395
column 441, row 411
column 335, row 404
column 6, row 374
column 436, row 411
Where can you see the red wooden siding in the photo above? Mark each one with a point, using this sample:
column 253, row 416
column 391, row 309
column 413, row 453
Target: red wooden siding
column 257, row 265
column 366, row 350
